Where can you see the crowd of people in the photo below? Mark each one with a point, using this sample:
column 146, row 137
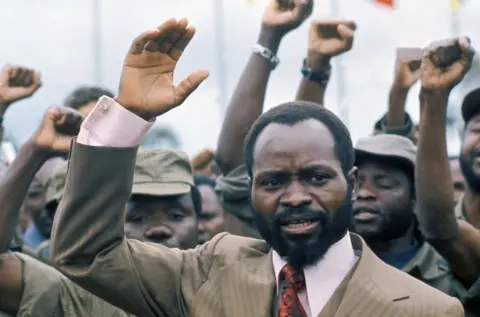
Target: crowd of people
column 286, row 217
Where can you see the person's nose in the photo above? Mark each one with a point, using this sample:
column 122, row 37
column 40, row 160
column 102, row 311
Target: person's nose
column 296, row 195
column 365, row 192
column 158, row 233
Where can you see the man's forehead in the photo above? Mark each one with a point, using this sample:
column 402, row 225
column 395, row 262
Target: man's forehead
column 289, row 136
column 303, row 144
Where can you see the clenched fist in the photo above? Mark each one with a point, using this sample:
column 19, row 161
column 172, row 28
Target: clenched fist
column 286, row 15
column 58, row 127
column 146, row 85
column 440, row 75
column 17, row 83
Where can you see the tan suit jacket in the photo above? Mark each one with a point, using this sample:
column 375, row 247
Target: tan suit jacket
column 228, row 277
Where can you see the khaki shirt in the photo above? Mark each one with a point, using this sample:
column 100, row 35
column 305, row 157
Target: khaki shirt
column 47, row 293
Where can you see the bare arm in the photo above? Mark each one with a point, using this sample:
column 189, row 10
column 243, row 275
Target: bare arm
column 246, row 105
column 247, row 101
column 321, row 49
column 433, row 179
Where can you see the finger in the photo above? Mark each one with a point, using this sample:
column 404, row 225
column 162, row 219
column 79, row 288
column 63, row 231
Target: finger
column 188, row 85
column 140, row 41
column 15, row 73
column 182, row 43
column 28, row 80
column 467, row 50
column 68, row 122
column 174, row 36
column 282, row 4
column 37, row 79
column 154, row 44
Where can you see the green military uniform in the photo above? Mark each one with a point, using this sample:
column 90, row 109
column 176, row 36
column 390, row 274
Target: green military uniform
column 233, row 192
column 47, row 293
column 427, row 265
column 470, row 297
column 407, row 130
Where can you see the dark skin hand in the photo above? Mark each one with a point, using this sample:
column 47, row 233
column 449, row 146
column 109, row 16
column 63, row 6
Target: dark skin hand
column 246, row 105
column 323, row 45
column 404, row 79
column 54, row 135
column 456, row 241
column 17, row 83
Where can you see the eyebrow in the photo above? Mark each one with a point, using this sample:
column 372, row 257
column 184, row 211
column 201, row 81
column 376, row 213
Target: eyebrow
column 308, row 168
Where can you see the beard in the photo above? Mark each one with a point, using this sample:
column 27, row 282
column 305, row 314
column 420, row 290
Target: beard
column 303, row 250
column 466, row 166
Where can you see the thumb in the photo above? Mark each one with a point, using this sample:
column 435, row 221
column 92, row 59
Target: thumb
column 62, row 143
column 467, row 51
column 189, row 85
column 346, row 33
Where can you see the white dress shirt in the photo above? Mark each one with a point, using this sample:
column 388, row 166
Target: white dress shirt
column 323, row 278
column 111, row 125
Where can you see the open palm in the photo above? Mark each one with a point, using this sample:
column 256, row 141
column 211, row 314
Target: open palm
column 146, row 85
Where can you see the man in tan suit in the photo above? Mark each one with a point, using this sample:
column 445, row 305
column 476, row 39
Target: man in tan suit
column 300, row 158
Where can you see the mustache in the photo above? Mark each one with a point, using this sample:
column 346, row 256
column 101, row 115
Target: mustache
column 300, row 213
column 360, row 206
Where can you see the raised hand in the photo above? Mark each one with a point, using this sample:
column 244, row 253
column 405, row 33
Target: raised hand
column 440, row 78
column 405, row 76
column 286, row 15
column 17, row 83
column 58, row 127
column 331, row 37
column 146, row 85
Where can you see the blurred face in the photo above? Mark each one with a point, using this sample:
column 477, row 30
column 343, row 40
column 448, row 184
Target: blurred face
column 383, row 208
column 87, row 108
column 458, row 179
column 300, row 196
column 170, row 221
column 34, row 200
column 470, row 154
column 210, row 221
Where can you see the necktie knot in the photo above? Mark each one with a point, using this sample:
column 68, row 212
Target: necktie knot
column 293, row 278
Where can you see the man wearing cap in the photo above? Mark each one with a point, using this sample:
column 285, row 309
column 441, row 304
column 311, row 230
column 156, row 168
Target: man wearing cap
column 384, row 210
column 457, row 240
column 31, row 288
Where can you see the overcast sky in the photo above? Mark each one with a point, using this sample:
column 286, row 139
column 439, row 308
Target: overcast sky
column 57, row 37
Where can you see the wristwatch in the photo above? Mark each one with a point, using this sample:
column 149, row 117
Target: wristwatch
column 322, row 77
column 267, row 54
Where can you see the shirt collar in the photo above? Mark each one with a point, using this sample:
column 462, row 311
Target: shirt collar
column 330, row 270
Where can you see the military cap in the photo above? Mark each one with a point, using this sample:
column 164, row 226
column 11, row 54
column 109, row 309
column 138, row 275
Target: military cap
column 162, row 172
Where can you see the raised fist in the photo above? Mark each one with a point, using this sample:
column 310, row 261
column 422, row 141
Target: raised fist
column 286, row 15
column 445, row 63
column 58, row 127
column 17, row 83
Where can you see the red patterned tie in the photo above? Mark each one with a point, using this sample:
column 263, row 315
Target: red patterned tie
column 291, row 283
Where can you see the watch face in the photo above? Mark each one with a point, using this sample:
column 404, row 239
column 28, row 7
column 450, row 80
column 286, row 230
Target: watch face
column 160, row 138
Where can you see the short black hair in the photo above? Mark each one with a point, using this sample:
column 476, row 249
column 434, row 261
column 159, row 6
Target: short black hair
column 471, row 105
column 204, row 180
column 85, row 94
column 291, row 113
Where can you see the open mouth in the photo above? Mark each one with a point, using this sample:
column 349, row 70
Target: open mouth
column 300, row 226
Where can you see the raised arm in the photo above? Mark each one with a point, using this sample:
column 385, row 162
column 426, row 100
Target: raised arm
column 326, row 39
column 54, row 136
column 435, row 203
column 246, row 105
column 88, row 240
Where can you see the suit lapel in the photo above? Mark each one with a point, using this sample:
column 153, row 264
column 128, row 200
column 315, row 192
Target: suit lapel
column 370, row 292
column 248, row 286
